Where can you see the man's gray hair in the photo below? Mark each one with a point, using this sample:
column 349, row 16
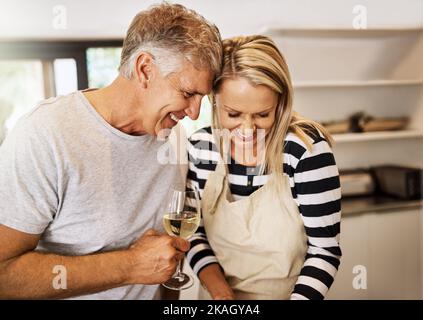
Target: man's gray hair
column 171, row 33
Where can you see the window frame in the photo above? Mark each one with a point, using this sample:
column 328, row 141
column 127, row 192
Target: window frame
column 50, row 50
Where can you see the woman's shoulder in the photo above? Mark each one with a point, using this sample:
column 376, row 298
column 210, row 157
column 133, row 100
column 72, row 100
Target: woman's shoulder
column 202, row 144
column 297, row 146
column 313, row 162
column 202, row 134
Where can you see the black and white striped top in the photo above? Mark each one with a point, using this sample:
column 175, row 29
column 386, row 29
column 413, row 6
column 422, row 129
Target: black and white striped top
column 314, row 180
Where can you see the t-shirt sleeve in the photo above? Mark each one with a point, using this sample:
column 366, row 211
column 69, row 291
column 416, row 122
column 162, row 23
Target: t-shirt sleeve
column 28, row 179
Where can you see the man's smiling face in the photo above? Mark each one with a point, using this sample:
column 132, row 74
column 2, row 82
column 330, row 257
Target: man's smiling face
column 175, row 96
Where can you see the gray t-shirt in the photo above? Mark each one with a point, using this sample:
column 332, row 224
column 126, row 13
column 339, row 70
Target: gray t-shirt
column 85, row 186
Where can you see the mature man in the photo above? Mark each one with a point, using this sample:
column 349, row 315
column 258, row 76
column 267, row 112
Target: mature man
column 81, row 190
column 5, row 111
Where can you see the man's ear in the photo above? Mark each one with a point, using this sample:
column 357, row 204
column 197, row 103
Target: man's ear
column 144, row 69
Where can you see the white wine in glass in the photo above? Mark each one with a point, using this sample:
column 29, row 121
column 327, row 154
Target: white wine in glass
column 181, row 225
column 182, row 220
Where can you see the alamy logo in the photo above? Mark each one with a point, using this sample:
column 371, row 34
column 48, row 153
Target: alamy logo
column 360, row 18
column 360, row 280
column 61, row 280
column 60, row 17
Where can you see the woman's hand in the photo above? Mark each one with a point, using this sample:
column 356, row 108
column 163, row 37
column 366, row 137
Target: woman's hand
column 213, row 279
column 224, row 296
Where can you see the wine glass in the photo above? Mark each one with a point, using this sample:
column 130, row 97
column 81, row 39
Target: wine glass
column 182, row 220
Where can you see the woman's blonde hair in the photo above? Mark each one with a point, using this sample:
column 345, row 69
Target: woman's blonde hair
column 257, row 59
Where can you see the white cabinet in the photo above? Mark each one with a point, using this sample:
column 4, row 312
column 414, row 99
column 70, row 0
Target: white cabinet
column 395, row 255
column 355, row 249
column 389, row 245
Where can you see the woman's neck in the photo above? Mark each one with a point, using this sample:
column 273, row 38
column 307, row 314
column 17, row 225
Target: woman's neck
column 246, row 156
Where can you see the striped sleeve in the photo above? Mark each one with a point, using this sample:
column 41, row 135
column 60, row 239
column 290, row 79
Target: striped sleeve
column 200, row 254
column 318, row 194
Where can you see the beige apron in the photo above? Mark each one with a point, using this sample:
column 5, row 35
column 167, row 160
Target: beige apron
column 259, row 241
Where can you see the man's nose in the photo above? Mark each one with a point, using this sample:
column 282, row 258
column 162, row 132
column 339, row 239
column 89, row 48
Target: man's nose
column 193, row 110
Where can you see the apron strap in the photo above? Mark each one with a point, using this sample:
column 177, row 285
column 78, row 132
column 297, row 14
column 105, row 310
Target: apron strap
column 217, row 184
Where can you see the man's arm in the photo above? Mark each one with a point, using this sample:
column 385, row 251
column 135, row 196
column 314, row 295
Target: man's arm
column 26, row 274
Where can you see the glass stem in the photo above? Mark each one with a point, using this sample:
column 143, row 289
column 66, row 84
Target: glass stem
column 179, row 268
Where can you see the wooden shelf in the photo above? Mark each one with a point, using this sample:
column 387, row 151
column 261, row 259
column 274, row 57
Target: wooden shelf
column 380, row 135
column 363, row 83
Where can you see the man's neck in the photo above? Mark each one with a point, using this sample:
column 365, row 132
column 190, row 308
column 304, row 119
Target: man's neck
column 118, row 105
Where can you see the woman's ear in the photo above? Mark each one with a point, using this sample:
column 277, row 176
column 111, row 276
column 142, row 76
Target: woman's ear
column 144, row 69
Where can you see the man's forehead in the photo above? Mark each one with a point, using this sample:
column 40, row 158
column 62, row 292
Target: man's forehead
column 197, row 80
column 202, row 84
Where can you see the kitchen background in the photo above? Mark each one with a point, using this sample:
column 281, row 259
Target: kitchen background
column 357, row 67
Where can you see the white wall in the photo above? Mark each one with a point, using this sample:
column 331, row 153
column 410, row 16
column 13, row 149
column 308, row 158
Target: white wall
column 110, row 19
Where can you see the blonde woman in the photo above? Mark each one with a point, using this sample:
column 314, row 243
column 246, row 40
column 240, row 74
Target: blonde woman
column 271, row 215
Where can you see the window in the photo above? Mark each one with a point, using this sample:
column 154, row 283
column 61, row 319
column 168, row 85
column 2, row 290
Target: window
column 21, row 87
column 31, row 71
column 102, row 64
column 65, row 76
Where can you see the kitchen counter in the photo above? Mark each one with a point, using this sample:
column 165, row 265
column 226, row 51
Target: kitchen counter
column 360, row 205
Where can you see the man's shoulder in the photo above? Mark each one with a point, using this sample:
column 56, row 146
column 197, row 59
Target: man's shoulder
column 52, row 108
column 45, row 124
column 49, row 116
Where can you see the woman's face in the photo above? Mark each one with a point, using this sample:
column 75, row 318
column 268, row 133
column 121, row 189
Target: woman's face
column 247, row 110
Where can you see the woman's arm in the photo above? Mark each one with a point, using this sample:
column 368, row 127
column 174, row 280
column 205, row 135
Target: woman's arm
column 317, row 188
column 201, row 256
column 213, row 279
column 205, row 264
